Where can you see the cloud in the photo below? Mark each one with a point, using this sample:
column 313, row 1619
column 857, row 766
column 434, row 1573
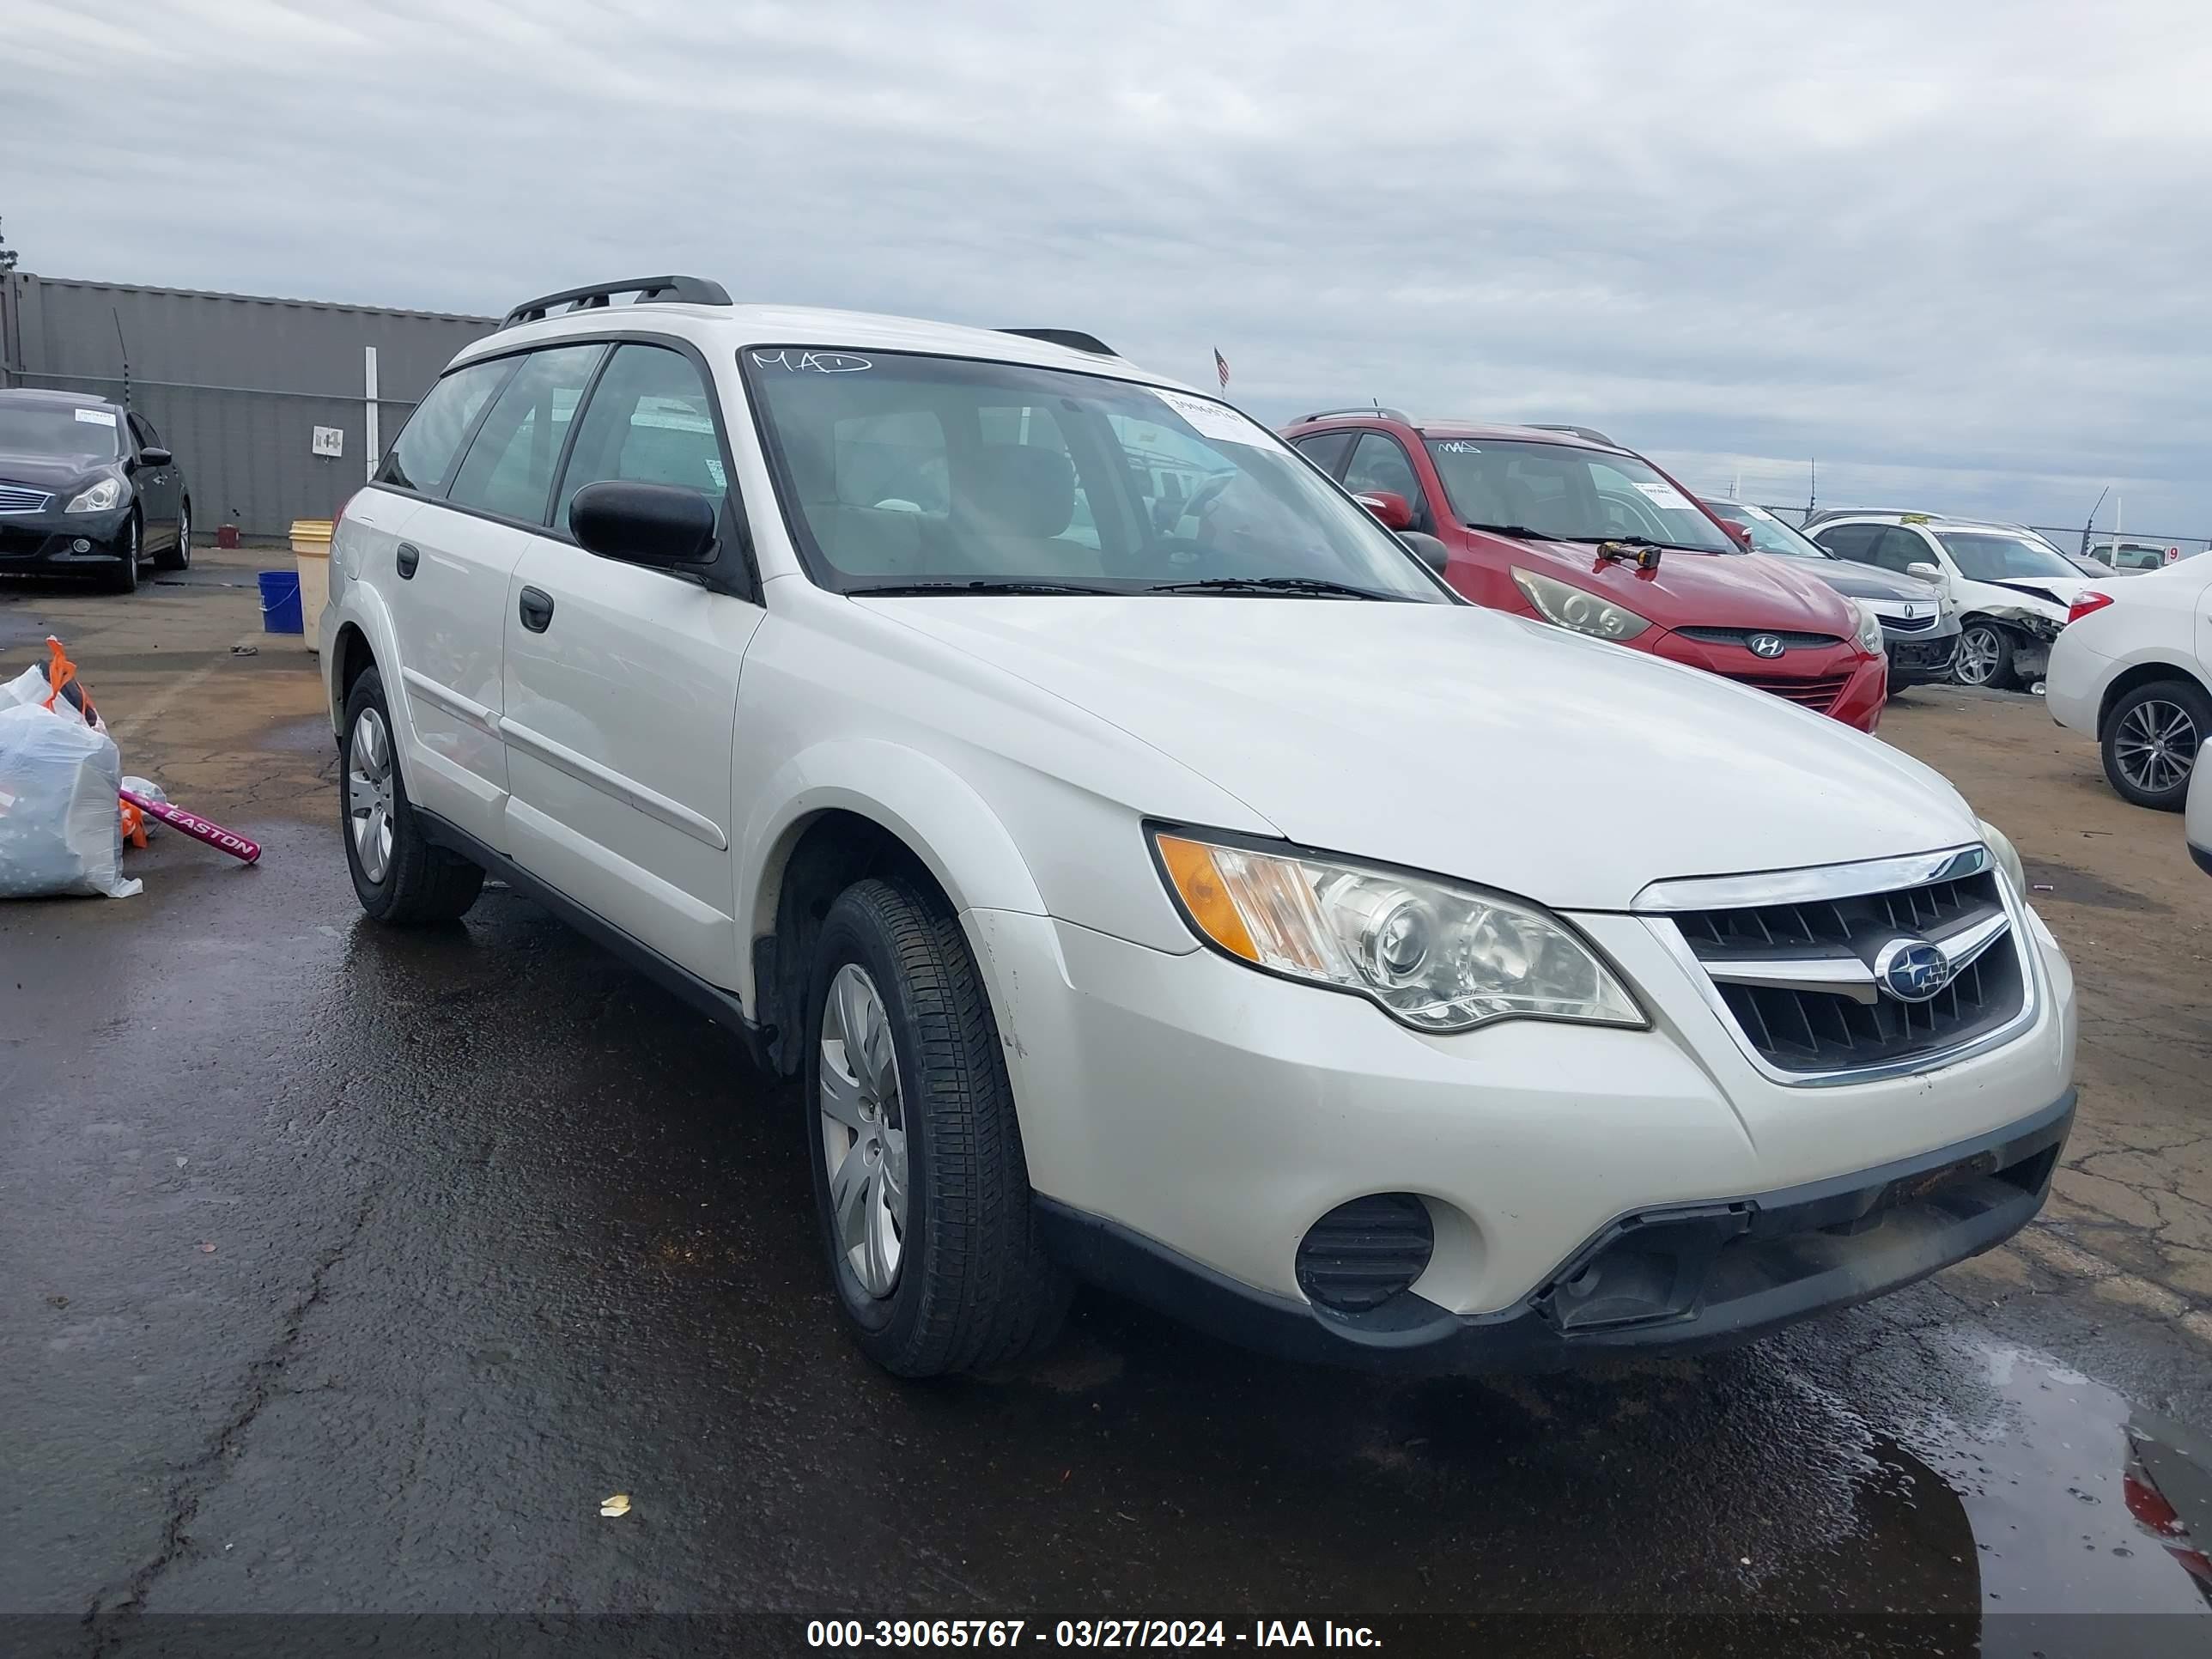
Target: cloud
column 1959, row 248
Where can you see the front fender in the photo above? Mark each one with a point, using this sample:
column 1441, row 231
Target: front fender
column 919, row 799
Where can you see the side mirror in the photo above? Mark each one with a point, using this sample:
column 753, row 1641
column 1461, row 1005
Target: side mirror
column 1927, row 573
column 154, row 456
column 657, row 525
column 1427, row 548
column 1741, row 532
column 1391, row 510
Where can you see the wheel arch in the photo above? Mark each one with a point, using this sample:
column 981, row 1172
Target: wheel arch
column 845, row 811
column 2141, row 674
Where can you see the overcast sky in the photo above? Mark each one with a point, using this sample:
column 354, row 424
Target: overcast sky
column 1959, row 252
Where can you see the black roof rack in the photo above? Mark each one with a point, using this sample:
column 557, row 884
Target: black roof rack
column 697, row 290
column 1074, row 338
column 1361, row 408
column 1589, row 433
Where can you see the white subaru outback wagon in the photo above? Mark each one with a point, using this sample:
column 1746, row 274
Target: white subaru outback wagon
column 1154, row 875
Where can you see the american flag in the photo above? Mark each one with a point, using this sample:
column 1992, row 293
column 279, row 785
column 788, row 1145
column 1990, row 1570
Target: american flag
column 1221, row 367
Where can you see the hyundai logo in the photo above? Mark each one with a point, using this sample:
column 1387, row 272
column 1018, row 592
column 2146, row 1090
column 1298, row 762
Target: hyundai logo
column 1911, row 969
column 1766, row 645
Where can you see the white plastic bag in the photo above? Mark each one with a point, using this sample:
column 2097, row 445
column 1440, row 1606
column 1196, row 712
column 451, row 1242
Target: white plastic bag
column 31, row 686
column 60, row 829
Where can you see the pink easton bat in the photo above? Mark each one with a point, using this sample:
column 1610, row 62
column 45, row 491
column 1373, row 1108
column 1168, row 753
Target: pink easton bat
column 197, row 828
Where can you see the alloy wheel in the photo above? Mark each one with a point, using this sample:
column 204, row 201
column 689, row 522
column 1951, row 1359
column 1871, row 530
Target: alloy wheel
column 1979, row 649
column 183, row 538
column 368, row 795
column 864, row 1138
column 2156, row 745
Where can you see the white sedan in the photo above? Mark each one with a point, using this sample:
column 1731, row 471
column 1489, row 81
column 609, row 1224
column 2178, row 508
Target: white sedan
column 2131, row 671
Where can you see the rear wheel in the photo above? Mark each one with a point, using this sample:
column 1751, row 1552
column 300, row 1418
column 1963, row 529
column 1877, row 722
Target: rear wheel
column 2152, row 740
column 179, row 557
column 920, row 1188
column 399, row 878
column 1984, row 656
column 125, row 578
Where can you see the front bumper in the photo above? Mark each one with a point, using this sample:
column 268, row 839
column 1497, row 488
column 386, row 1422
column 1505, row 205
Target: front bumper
column 1185, row 1107
column 50, row 540
column 1921, row 659
column 1745, row 1265
column 1837, row 680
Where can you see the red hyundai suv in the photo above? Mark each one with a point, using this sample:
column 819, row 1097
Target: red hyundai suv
column 1562, row 525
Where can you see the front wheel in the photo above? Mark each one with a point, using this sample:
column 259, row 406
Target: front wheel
column 2154, row 740
column 1984, row 657
column 920, row 1188
column 399, row 878
column 125, row 578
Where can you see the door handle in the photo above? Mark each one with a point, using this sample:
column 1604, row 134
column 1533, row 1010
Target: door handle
column 537, row 609
column 409, row 557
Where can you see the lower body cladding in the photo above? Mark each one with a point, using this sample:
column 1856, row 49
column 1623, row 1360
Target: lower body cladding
column 1921, row 659
column 61, row 541
column 1288, row 1167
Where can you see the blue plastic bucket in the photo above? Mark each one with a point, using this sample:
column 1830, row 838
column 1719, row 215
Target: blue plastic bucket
column 280, row 602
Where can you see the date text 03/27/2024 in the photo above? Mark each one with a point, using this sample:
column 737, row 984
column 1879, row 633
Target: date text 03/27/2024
column 1085, row 1633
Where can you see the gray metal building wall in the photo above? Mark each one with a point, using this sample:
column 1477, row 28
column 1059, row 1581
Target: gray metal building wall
column 234, row 384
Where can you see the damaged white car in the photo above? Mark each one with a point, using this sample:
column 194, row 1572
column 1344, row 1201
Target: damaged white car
column 2012, row 588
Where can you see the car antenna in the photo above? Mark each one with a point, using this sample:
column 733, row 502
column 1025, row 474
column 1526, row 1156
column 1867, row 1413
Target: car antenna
column 122, row 346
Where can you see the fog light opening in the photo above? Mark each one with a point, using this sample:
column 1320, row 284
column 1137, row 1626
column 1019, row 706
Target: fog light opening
column 1362, row 1253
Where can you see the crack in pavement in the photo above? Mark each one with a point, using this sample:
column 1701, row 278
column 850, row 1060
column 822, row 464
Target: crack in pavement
column 191, row 1480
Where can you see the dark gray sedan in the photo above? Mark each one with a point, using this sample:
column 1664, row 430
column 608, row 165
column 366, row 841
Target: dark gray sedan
column 1921, row 636
column 86, row 489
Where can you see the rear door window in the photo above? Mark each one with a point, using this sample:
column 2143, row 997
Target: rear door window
column 421, row 458
column 1327, row 451
column 509, row 470
column 1849, row 541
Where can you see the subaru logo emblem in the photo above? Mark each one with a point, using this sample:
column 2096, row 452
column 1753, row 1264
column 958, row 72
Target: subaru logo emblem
column 1766, row 645
column 1911, row 969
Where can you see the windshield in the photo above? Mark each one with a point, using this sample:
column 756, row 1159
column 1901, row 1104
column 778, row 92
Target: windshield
column 1570, row 493
column 1987, row 556
column 1768, row 533
column 57, row 431
column 925, row 472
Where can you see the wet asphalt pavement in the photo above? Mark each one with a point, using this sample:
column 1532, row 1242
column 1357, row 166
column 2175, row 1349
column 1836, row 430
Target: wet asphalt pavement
column 347, row 1272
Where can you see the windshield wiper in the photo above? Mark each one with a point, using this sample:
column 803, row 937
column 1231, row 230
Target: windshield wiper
column 1519, row 530
column 1604, row 541
column 892, row 590
column 1319, row 586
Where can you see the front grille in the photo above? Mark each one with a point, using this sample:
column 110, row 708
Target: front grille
column 1739, row 635
column 1808, row 1029
column 21, row 498
column 1908, row 624
column 1938, row 907
column 1817, row 692
column 1362, row 1253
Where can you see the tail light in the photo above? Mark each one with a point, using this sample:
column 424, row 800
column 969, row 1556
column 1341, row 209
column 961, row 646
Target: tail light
column 2086, row 602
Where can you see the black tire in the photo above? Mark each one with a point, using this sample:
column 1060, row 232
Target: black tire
column 124, row 580
column 975, row 1288
column 2153, row 737
column 419, row 882
column 2000, row 676
column 179, row 557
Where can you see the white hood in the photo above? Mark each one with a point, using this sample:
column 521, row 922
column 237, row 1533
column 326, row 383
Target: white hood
column 1465, row 741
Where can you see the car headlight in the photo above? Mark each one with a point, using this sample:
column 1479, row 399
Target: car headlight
column 99, row 498
column 1437, row 956
column 1578, row 608
column 2007, row 855
column 1869, row 627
